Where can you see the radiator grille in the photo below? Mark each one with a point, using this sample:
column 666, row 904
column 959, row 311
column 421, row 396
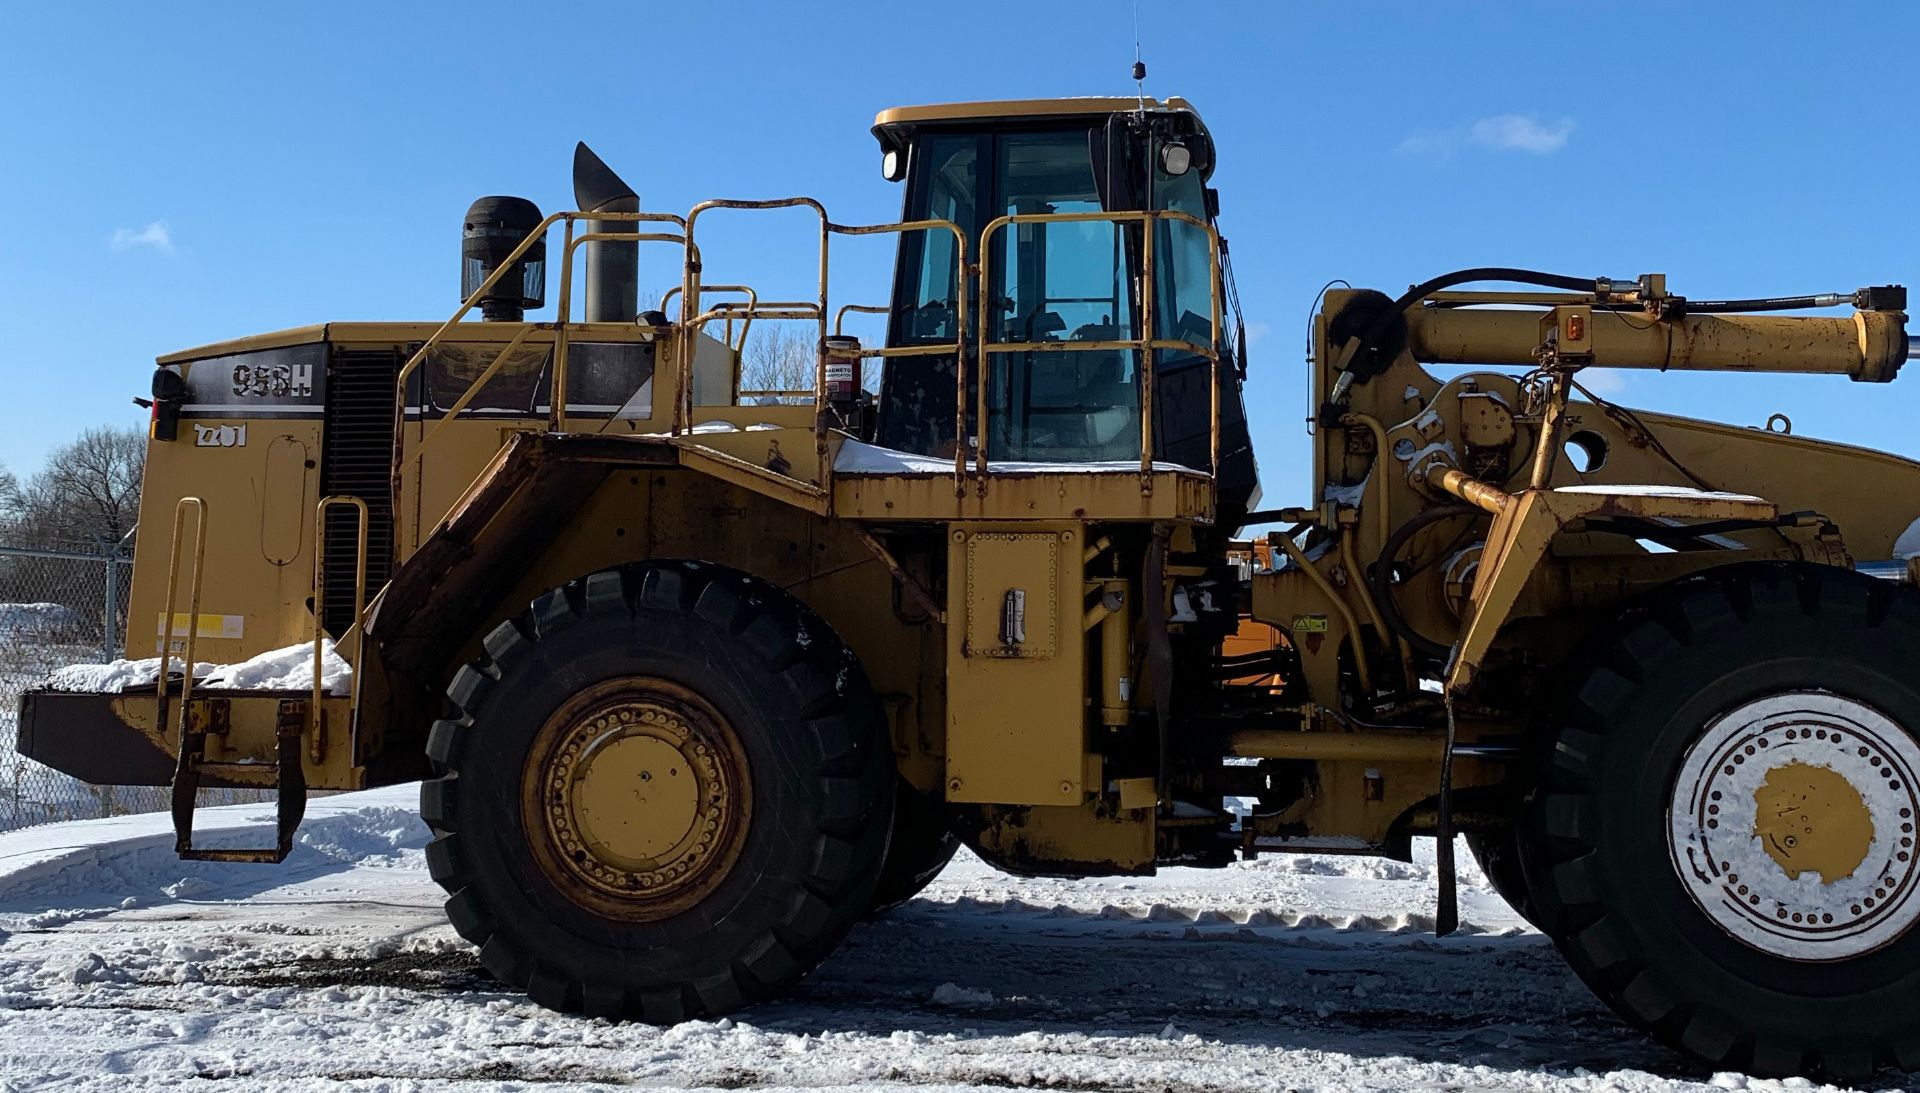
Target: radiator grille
column 356, row 459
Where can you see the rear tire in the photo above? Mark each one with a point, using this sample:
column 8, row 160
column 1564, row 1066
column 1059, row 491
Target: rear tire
column 1498, row 855
column 665, row 793
column 1697, row 900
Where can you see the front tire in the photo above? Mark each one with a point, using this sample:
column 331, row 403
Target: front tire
column 1723, row 849
column 666, row 793
column 922, row 845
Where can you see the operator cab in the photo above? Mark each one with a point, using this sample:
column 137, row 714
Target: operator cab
column 1060, row 281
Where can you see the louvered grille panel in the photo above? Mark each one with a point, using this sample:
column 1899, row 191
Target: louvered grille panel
column 356, row 459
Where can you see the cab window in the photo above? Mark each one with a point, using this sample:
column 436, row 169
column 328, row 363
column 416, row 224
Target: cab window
column 1058, row 282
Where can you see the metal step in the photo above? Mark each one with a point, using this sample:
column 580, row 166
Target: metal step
column 290, row 781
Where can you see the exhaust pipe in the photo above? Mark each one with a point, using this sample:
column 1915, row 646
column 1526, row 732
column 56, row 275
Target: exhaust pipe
column 613, row 268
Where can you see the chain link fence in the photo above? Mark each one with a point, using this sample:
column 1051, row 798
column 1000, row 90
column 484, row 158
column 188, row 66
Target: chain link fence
column 61, row 606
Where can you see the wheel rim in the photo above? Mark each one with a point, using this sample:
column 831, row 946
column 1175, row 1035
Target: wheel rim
column 1791, row 825
column 636, row 798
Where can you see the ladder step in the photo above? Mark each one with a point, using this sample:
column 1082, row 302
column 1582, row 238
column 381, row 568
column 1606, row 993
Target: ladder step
column 265, row 855
column 290, row 780
column 226, row 769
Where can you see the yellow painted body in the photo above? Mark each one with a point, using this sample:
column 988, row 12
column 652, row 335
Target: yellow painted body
column 1006, row 640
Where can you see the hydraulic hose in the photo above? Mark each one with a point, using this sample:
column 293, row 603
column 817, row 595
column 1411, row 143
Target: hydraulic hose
column 1468, row 276
column 1768, row 303
column 1381, row 576
column 1388, row 315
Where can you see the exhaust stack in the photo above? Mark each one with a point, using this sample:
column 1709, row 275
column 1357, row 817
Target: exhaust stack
column 613, row 269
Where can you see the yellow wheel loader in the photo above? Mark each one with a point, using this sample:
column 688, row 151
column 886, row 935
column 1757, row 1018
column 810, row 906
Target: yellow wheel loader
column 698, row 674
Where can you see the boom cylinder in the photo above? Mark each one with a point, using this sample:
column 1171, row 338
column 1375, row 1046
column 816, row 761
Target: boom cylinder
column 1869, row 346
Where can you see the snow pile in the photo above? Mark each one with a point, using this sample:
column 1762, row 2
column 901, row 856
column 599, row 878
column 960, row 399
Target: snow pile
column 117, row 676
column 855, row 457
column 37, row 619
column 79, row 869
column 288, row 669
column 1683, row 493
column 952, row 994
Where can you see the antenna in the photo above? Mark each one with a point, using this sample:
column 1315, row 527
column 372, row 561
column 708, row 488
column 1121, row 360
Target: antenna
column 1139, row 66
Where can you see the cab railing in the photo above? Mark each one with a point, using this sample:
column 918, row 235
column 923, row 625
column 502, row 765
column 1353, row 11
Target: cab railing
column 973, row 360
column 840, row 316
column 684, row 238
column 692, row 319
column 1145, row 346
column 692, row 316
column 746, row 324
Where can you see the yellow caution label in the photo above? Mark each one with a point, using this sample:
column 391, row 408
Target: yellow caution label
column 202, row 626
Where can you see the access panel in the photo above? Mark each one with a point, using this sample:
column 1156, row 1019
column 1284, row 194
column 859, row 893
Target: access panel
column 1016, row 666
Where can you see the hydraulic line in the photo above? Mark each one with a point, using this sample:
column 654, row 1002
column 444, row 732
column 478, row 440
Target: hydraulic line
column 1351, row 558
column 1385, row 320
column 1768, row 303
column 1299, row 558
column 1382, row 576
column 1377, row 479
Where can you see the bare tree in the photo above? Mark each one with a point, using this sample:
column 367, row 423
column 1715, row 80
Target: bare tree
column 9, row 497
column 88, row 492
column 778, row 357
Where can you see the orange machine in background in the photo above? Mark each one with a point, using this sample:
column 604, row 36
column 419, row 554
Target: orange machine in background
column 1253, row 639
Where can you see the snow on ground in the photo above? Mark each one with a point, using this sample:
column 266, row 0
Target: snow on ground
column 123, row 968
column 855, row 457
column 26, row 620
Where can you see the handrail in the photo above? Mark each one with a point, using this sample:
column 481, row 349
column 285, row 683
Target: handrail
column 690, row 307
column 473, row 299
column 473, row 389
column 798, row 310
column 557, row 413
column 690, row 313
column 840, row 316
column 199, row 505
column 1146, row 345
column 691, row 289
column 961, row 267
column 753, row 298
column 973, row 362
column 359, row 507
column 538, row 233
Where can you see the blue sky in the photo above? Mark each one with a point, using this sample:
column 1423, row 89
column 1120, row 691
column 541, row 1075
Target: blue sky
column 179, row 175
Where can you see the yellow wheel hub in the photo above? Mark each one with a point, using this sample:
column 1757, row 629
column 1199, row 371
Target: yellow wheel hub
column 640, row 790
column 1812, row 819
